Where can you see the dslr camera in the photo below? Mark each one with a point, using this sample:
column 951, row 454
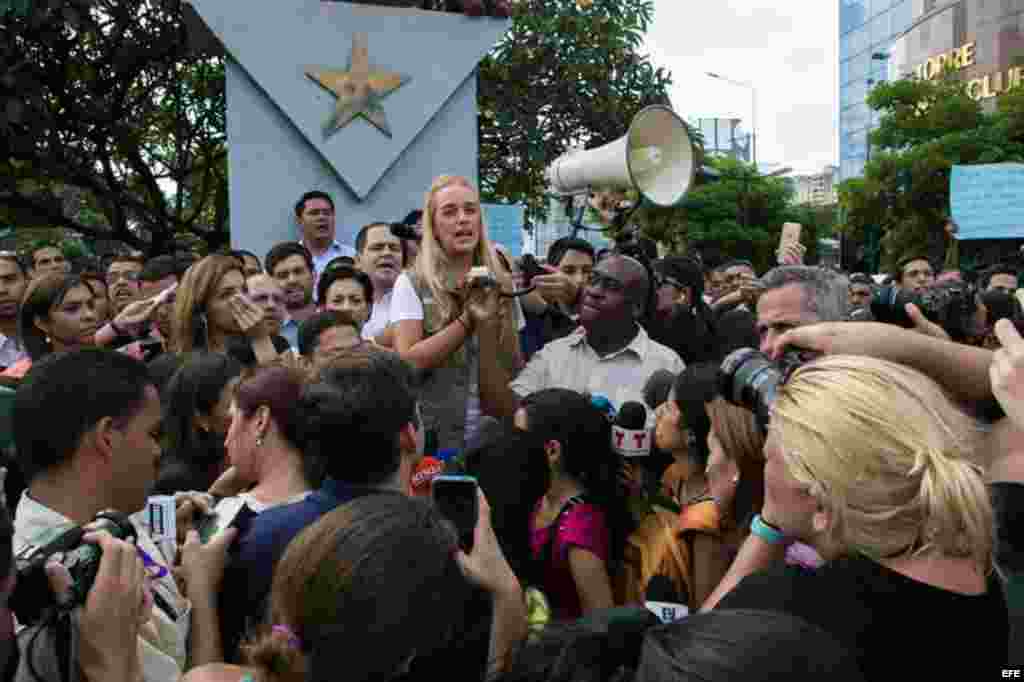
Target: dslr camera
column 750, row 379
column 33, row 598
column 951, row 305
column 530, row 268
column 403, row 231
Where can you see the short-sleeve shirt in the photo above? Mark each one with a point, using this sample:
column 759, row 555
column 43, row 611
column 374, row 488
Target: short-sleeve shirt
column 584, row 526
column 380, row 317
column 572, row 364
column 897, row 627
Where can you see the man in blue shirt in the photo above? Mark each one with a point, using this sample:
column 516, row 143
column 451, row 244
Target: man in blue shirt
column 366, row 438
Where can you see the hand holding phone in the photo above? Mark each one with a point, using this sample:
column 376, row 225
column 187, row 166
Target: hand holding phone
column 486, row 565
column 456, row 499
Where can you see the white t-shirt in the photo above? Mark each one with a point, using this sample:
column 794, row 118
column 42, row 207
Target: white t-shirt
column 406, row 305
column 380, row 317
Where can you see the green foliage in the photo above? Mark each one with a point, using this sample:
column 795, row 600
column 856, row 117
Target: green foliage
column 567, row 74
column 926, row 127
column 742, row 212
column 107, row 98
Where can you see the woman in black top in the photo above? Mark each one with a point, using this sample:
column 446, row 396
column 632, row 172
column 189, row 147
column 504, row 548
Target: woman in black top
column 870, row 463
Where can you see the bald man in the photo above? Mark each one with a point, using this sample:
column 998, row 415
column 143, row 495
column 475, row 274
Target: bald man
column 609, row 355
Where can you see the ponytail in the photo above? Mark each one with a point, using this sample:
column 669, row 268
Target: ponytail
column 956, row 507
column 277, row 654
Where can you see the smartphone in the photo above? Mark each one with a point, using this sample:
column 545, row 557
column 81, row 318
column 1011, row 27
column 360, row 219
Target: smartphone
column 456, row 499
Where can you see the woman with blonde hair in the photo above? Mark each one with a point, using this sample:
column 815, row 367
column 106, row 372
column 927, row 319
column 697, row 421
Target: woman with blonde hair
column 870, row 463
column 432, row 308
column 212, row 312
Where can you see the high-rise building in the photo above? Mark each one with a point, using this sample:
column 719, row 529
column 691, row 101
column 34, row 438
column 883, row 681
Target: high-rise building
column 725, row 137
column 866, row 32
column 818, row 189
column 981, row 40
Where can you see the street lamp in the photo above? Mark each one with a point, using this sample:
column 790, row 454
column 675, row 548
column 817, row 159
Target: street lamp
column 753, row 110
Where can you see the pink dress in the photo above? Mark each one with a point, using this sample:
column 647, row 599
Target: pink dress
column 583, row 526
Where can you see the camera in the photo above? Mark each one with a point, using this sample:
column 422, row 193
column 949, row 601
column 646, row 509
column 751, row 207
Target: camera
column 530, row 268
column 33, row 598
column 951, row 305
column 748, row 378
column 403, row 231
column 480, row 278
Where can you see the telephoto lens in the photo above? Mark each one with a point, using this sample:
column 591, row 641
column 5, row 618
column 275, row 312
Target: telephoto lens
column 888, row 305
column 749, row 378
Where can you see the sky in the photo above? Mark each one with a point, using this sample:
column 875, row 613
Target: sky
column 786, row 48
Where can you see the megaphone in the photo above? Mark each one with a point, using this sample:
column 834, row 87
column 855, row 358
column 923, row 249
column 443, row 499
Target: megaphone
column 655, row 157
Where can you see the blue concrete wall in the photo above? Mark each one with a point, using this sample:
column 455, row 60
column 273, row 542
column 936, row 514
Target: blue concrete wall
column 277, row 149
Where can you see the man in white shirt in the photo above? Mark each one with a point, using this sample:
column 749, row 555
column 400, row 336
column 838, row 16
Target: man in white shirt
column 87, row 441
column 610, row 354
column 382, row 257
column 13, row 279
column 314, row 215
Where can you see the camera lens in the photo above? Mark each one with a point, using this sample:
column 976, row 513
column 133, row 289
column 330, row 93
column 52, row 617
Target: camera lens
column 748, row 378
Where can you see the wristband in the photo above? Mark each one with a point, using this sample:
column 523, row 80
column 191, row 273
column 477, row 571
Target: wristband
column 767, row 532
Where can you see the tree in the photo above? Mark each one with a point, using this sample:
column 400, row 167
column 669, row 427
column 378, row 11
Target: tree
column 107, row 101
column 902, row 202
column 740, row 213
column 567, row 74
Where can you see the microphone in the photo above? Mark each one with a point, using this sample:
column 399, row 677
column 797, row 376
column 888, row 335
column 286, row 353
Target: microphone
column 661, row 599
column 427, row 469
column 630, row 435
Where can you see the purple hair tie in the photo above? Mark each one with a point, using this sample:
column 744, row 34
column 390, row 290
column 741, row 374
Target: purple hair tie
column 293, row 639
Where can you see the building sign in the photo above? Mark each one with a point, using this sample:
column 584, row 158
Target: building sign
column 984, row 87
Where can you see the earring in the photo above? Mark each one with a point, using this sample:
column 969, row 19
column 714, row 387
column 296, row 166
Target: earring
column 259, row 441
column 736, row 479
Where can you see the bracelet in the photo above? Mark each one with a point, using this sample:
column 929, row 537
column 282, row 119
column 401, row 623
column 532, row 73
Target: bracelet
column 766, row 531
column 117, row 331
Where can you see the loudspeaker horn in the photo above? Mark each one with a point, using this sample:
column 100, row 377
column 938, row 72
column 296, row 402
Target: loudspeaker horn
column 655, row 157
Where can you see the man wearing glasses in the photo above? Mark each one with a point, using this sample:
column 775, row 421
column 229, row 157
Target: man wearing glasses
column 609, row 355
column 123, row 280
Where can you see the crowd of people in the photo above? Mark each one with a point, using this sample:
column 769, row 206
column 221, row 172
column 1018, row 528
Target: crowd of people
column 828, row 486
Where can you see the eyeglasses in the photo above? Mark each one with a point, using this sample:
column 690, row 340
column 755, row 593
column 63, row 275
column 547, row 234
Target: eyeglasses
column 599, row 280
column 130, row 276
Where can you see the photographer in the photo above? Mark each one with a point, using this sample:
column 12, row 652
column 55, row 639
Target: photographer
column 87, row 424
column 869, row 462
column 797, row 295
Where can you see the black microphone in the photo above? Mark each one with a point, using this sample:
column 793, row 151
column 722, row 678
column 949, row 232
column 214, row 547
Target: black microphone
column 662, row 599
column 630, row 435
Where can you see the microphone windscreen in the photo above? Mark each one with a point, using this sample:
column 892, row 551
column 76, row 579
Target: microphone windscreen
column 630, row 435
column 632, row 415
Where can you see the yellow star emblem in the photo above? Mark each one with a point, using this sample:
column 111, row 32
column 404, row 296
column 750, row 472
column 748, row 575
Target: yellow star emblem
column 359, row 89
